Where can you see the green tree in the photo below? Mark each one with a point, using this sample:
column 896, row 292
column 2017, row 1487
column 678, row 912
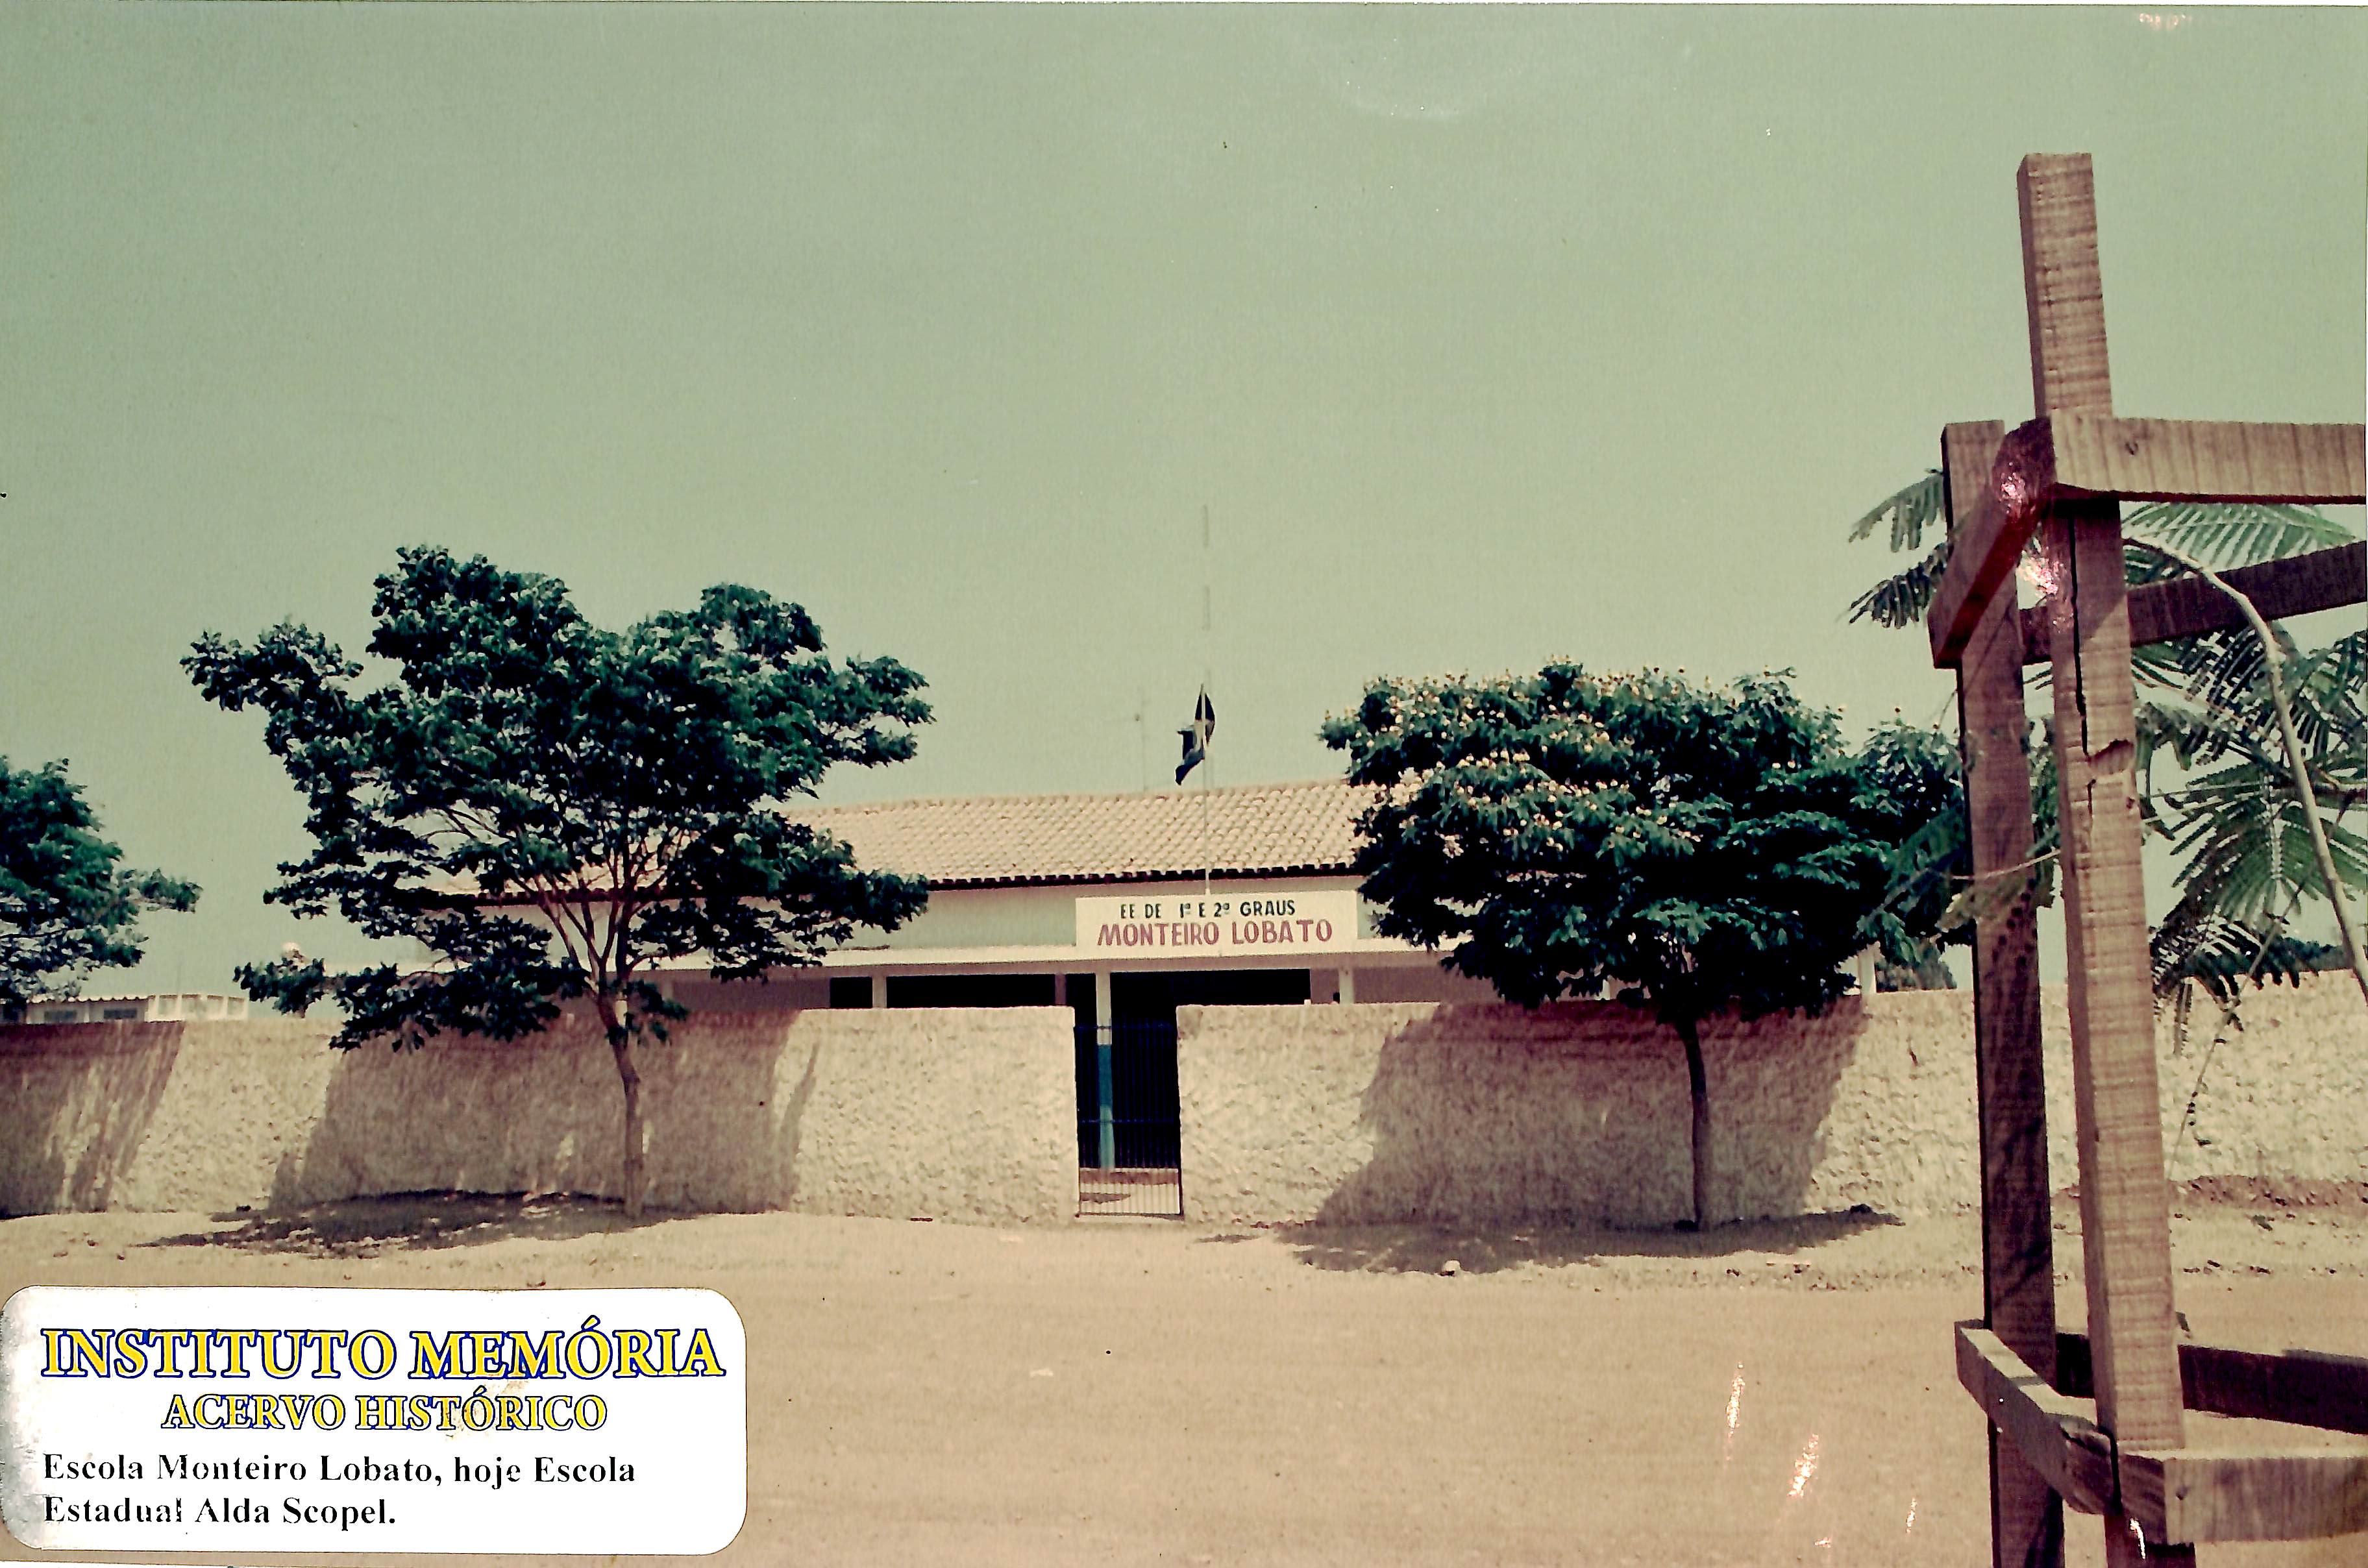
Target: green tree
column 551, row 809
column 2214, row 779
column 65, row 906
column 1700, row 848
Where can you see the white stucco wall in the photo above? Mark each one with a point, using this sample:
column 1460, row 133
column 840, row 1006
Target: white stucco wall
column 1480, row 1114
column 962, row 1114
column 1359, row 1112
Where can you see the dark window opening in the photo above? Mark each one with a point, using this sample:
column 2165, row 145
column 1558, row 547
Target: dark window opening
column 970, row 991
column 1154, row 998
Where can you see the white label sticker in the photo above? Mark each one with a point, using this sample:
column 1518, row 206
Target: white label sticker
column 298, row 1420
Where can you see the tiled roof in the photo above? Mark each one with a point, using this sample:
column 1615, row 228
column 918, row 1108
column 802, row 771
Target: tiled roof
column 993, row 841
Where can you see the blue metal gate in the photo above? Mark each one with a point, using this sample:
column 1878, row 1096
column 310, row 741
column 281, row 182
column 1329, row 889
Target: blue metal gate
column 1130, row 1140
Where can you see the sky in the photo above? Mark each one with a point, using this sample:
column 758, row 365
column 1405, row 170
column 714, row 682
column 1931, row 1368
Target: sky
column 1484, row 337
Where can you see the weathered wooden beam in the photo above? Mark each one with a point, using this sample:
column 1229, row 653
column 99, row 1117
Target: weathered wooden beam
column 2124, row 1200
column 1986, row 539
column 1997, row 526
column 2125, row 1203
column 2301, row 1388
column 2017, row 1237
column 2068, row 453
column 2178, row 1496
column 2063, row 286
column 2189, row 606
column 2053, row 1434
column 2256, row 1492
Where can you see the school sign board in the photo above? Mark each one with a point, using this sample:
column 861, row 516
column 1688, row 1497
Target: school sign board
column 1231, row 925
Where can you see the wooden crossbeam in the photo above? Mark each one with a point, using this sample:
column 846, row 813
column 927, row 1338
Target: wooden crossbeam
column 2189, row 606
column 2072, row 453
column 2301, row 1388
column 2028, row 477
column 2181, row 1496
column 2055, row 1436
column 2265, row 1493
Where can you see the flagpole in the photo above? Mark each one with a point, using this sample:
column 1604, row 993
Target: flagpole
column 1208, row 655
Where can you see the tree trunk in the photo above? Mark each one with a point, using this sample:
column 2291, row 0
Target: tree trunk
column 1699, row 1082
column 621, row 1043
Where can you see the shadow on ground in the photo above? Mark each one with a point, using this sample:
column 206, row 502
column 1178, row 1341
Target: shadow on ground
column 1426, row 1249
column 416, row 1221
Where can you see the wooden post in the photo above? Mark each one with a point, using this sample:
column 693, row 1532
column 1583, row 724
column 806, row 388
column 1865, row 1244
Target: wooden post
column 2125, row 1202
column 2018, row 1242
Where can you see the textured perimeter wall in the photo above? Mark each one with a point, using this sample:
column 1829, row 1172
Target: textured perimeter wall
column 1365, row 1112
column 1471, row 1114
column 962, row 1114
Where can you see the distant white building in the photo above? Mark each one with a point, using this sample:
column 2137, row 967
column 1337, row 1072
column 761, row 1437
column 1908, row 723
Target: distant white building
column 1120, row 907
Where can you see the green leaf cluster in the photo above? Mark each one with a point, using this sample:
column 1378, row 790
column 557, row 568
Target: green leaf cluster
column 66, row 905
column 2214, row 779
column 549, row 808
column 1703, row 848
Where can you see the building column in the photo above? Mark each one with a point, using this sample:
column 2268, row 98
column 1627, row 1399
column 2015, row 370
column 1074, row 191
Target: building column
column 1347, row 986
column 880, row 991
column 1106, row 1149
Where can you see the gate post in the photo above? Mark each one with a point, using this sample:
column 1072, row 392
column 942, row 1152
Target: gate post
column 2125, row 1201
column 2017, row 1241
column 1105, row 1097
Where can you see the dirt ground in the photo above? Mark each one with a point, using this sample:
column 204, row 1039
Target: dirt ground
column 1120, row 1392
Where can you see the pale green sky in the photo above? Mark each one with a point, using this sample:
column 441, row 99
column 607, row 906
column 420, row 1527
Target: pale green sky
column 1486, row 336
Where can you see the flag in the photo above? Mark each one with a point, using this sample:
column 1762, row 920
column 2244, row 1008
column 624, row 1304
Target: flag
column 1196, row 734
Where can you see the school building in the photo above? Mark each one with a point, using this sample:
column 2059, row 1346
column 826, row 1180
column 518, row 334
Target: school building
column 1121, row 908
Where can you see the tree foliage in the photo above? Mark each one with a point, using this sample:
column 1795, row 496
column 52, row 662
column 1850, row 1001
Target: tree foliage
column 1700, row 848
column 2213, row 780
column 551, row 809
column 66, row 906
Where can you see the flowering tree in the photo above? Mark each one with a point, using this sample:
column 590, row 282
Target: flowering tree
column 1700, row 848
column 549, row 808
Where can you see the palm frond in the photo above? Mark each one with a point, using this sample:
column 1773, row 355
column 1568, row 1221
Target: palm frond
column 2225, row 675
column 1902, row 600
column 2220, row 954
column 1908, row 512
column 2160, row 665
column 2193, row 737
column 2221, row 673
column 2229, row 814
column 2326, row 688
column 2248, row 857
column 2222, row 533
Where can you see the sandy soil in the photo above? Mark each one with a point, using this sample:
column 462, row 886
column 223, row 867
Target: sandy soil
column 1140, row 1393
